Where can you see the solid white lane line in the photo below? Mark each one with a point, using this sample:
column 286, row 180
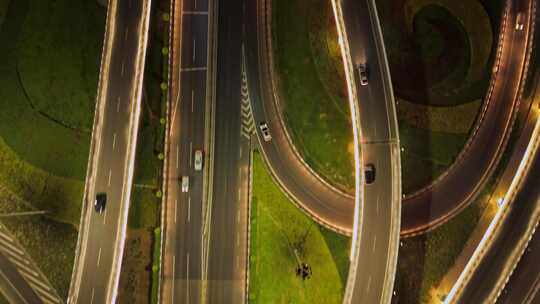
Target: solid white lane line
column 174, row 279
column 109, row 181
column 190, row 152
column 114, row 141
column 374, row 243
column 123, row 66
column 175, row 209
column 177, row 153
column 193, row 50
column 118, row 105
column 195, row 69
column 195, row 12
column 99, row 256
column 189, row 208
column 187, row 278
column 192, row 99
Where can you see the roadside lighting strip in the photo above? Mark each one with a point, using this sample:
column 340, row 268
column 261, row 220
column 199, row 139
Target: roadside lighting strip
column 265, row 13
column 485, row 106
column 495, row 226
column 165, row 174
column 390, row 267
column 95, row 143
column 112, row 290
column 499, row 219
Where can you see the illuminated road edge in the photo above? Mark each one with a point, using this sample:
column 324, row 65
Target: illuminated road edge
column 136, row 94
column 395, row 183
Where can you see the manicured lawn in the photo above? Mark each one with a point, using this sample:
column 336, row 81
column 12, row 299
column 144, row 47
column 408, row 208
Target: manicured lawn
column 37, row 81
column 48, row 79
column 427, row 154
column 313, row 90
column 276, row 226
column 424, row 260
column 3, row 9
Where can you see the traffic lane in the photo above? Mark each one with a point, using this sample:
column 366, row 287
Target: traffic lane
column 195, row 5
column 194, row 46
column 495, row 260
column 13, row 286
column 374, row 108
column 524, row 282
column 222, row 273
column 189, row 208
column 465, row 174
column 111, row 157
column 372, row 255
column 330, row 206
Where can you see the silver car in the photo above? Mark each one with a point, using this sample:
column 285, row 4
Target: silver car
column 198, row 160
column 265, row 131
column 185, row 183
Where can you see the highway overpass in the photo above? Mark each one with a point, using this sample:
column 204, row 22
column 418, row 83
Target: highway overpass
column 100, row 244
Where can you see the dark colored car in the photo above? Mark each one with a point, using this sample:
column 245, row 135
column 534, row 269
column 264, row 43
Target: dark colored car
column 369, row 173
column 100, row 202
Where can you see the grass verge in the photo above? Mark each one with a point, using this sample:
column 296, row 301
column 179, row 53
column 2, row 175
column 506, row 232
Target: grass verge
column 140, row 277
column 277, row 229
column 315, row 105
column 424, row 260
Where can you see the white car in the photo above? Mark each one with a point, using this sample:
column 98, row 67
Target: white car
column 362, row 71
column 265, row 131
column 185, row 183
column 519, row 22
column 198, row 160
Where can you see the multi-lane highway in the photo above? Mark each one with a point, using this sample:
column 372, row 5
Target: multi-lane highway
column 112, row 155
column 373, row 264
column 227, row 259
column 499, row 258
column 182, row 254
column 524, row 284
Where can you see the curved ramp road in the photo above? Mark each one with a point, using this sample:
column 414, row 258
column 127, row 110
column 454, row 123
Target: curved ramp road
column 110, row 169
column 460, row 184
column 435, row 204
column 376, row 232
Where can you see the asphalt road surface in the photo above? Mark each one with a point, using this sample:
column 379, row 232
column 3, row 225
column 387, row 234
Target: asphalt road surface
column 227, row 250
column 377, row 252
column 13, row 286
column 182, row 272
column 524, row 284
column 378, row 144
column 422, row 210
column 111, row 156
column 495, row 260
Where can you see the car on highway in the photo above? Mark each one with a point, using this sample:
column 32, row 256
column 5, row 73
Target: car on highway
column 369, row 173
column 185, row 183
column 265, row 131
column 519, row 22
column 100, row 202
column 198, row 160
column 362, row 71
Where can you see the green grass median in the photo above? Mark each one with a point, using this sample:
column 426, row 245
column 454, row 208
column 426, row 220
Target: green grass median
column 314, row 95
column 277, row 229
